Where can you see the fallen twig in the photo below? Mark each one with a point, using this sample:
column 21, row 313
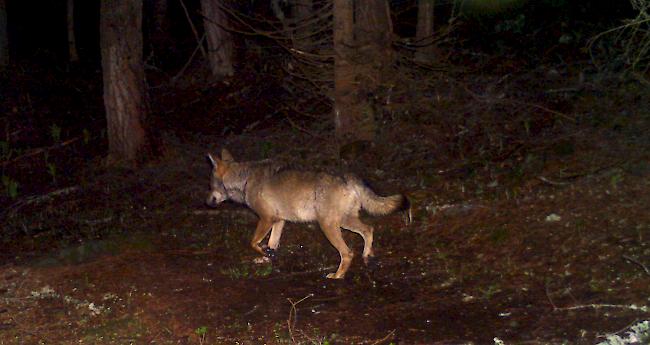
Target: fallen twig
column 541, row 107
column 552, row 183
column 95, row 221
column 486, row 99
column 196, row 34
column 388, row 336
column 40, row 150
column 37, row 199
column 642, row 308
column 293, row 315
column 187, row 64
column 548, row 295
column 645, row 268
column 290, row 274
column 302, row 129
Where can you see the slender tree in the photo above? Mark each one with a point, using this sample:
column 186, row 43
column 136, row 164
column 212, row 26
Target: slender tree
column 123, row 73
column 158, row 29
column 72, row 45
column 362, row 48
column 302, row 10
column 4, row 40
column 219, row 40
column 281, row 16
column 344, row 112
column 374, row 34
column 160, row 15
column 424, row 31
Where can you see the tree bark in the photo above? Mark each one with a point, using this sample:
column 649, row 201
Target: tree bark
column 302, row 11
column 219, row 40
column 362, row 55
column 345, row 112
column 424, row 31
column 374, row 33
column 4, row 38
column 159, row 26
column 72, row 45
column 123, row 73
column 160, row 16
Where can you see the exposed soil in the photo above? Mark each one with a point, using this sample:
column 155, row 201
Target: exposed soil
column 540, row 266
column 545, row 242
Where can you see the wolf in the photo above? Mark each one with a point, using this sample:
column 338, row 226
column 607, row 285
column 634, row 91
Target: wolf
column 278, row 194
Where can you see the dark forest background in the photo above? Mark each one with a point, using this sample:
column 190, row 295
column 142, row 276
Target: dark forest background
column 517, row 129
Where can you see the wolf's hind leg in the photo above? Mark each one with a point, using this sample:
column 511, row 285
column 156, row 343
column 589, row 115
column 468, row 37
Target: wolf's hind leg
column 366, row 231
column 333, row 233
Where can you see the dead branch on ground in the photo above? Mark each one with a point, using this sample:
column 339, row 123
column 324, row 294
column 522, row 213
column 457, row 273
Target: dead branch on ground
column 293, row 315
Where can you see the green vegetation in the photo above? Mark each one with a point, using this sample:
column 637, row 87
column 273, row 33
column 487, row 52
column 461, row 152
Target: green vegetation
column 11, row 186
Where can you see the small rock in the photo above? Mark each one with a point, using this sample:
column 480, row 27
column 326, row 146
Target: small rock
column 553, row 218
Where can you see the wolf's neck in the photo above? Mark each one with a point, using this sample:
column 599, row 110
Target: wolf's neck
column 236, row 184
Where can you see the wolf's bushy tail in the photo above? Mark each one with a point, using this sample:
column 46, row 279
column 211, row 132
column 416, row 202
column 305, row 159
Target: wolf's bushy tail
column 378, row 205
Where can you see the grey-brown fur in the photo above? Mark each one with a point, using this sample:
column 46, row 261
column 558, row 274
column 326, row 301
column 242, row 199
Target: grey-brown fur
column 278, row 195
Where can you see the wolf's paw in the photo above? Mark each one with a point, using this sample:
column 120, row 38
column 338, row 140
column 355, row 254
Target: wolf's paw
column 270, row 253
column 333, row 276
column 371, row 262
column 261, row 260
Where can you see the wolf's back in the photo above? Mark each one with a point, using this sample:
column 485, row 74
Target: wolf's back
column 375, row 204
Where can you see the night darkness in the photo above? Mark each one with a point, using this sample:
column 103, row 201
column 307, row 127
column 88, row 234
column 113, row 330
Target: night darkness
column 506, row 142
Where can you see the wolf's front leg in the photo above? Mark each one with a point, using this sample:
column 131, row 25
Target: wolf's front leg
column 276, row 233
column 262, row 229
column 274, row 242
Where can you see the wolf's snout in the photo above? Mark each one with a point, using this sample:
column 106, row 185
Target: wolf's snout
column 212, row 201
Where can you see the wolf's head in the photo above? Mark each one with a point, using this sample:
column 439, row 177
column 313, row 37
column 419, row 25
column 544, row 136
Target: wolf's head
column 218, row 193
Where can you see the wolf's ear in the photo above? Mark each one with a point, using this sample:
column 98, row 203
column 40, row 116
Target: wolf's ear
column 211, row 160
column 226, row 156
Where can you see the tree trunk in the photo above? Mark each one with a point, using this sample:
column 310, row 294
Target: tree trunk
column 374, row 33
column 123, row 73
column 219, row 40
column 159, row 27
column 424, row 31
column 302, row 12
column 362, row 55
column 160, row 16
column 345, row 113
column 72, row 45
column 282, row 17
column 4, row 39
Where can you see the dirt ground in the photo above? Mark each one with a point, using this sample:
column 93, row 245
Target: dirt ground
column 545, row 243
column 555, row 262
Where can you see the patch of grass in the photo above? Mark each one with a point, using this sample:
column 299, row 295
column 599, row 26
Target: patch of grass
column 51, row 170
column 5, row 151
column 280, row 336
column 490, row 291
column 55, row 133
column 265, row 148
column 563, row 148
column 246, row 271
column 616, row 178
column 263, row 270
column 201, row 332
column 115, row 332
column 91, row 249
column 499, row 235
column 11, row 186
column 86, row 136
column 237, row 272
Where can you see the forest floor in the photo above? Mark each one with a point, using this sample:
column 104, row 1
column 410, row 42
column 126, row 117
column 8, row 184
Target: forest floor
column 547, row 247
